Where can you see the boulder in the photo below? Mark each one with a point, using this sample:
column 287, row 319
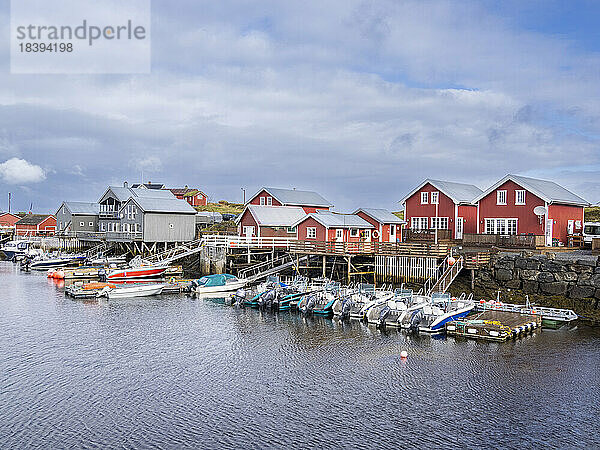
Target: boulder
column 595, row 280
column 521, row 263
column 533, row 264
column 585, row 279
column 556, row 288
column 530, row 275
column 513, row 284
column 505, row 264
column 581, row 292
column 586, row 262
column 545, row 277
column 504, row 274
column 579, row 268
column 530, row 287
column 552, row 266
column 566, row 276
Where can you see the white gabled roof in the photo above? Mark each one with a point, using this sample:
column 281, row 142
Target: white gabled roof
column 335, row 220
column 380, row 215
column 86, row 208
column 162, row 205
column 548, row 191
column 458, row 192
column 294, row 197
column 274, row 216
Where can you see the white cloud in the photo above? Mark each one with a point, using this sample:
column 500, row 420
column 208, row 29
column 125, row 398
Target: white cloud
column 20, row 171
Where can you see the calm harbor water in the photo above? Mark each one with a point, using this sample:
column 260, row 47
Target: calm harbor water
column 179, row 372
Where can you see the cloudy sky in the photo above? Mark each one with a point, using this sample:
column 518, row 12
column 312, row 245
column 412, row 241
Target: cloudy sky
column 358, row 100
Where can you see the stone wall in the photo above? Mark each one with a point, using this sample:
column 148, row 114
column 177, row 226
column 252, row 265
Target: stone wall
column 570, row 278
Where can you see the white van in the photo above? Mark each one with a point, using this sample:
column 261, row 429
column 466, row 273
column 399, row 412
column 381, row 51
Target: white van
column 591, row 230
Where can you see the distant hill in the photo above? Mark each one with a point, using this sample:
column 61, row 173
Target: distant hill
column 399, row 214
column 592, row 214
column 223, row 207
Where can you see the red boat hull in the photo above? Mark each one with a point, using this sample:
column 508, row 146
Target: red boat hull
column 136, row 273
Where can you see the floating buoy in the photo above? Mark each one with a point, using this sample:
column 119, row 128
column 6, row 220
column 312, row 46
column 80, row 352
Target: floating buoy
column 403, row 354
column 59, row 274
column 451, row 261
column 50, row 273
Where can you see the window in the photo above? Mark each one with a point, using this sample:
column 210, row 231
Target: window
column 262, row 201
column 440, row 223
column 424, row 198
column 500, row 197
column 91, row 224
column 392, row 230
column 269, row 201
column 171, row 225
column 501, row 226
column 199, row 197
column 311, row 233
column 102, row 227
column 435, row 198
column 520, row 197
column 419, row 223
column 82, row 224
column 291, row 229
column 248, row 231
column 353, row 232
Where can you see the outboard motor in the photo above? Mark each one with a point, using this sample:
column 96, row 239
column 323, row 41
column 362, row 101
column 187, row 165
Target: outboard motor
column 346, row 307
column 269, row 298
column 239, row 297
column 102, row 275
column 382, row 316
column 415, row 320
column 311, row 301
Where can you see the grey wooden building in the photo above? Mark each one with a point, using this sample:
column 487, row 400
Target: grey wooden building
column 158, row 219
column 77, row 216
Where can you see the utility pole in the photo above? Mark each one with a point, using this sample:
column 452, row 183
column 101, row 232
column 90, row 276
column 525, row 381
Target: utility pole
column 244, row 191
column 9, row 194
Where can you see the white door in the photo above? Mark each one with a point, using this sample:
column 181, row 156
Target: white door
column 339, row 235
column 571, row 226
column 367, row 235
column 248, row 231
column 392, row 233
column 549, row 223
column 459, row 228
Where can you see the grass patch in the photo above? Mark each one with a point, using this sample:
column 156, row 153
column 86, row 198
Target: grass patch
column 592, row 214
column 222, row 207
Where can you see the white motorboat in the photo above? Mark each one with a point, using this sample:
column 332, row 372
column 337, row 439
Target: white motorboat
column 139, row 290
column 217, row 283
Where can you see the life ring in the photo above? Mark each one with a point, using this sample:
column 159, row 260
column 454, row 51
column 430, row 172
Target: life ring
column 375, row 234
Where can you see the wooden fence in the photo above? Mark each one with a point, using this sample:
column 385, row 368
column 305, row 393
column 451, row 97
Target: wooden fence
column 409, row 235
column 528, row 241
column 404, row 268
column 369, row 248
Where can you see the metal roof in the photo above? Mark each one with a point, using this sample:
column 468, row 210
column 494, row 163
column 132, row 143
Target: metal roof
column 333, row 220
column 163, row 205
column 380, row 215
column 275, row 216
column 125, row 193
column 458, row 192
column 86, row 208
column 33, row 219
column 295, row 197
column 548, row 191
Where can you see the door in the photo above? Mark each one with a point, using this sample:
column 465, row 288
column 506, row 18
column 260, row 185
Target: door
column 367, row 235
column 392, row 233
column 571, row 226
column 248, row 231
column 549, row 223
column 459, row 228
column 339, row 235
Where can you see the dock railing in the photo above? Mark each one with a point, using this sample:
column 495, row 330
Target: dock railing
column 528, row 241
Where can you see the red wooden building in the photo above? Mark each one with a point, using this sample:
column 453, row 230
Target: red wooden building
column 36, row 225
column 194, row 197
column 443, row 205
column 387, row 225
column 269, row 221
column 327, row 226
column 507, row 208
column 309, row 201
column 8, row 220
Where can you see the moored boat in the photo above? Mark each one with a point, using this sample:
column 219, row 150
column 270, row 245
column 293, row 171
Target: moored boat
column 217, row 283
column 139, row 290
column 135, row 273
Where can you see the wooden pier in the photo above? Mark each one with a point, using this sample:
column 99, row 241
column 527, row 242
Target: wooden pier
column 494, row 325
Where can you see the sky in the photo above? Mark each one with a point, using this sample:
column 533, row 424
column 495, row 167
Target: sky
column 357, row 100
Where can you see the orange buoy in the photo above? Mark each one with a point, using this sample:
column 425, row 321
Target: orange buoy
column 403, row 354
column 451, row 261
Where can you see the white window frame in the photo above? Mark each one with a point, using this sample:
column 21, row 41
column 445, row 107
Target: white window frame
column 392, row 230
column 269, row 201
column 82, row 224
column 171, row 226
column 436, row 221
column 424, row 198
column 502, row 226
column 435, row 198
column 354, row 232
column 419, row 223
column 339, row 234
column 522, row 192
column 245, row 230
column 291, row 229
column 91, row 224
column 262, row 201
column 311, row 232
column 499, row 194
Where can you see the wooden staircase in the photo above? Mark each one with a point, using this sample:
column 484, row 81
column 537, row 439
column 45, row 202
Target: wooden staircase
column 445, row 274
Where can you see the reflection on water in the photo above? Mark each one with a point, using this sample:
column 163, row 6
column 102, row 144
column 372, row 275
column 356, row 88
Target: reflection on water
column 175, row 371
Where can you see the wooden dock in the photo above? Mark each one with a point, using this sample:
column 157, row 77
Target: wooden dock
column 494, row 325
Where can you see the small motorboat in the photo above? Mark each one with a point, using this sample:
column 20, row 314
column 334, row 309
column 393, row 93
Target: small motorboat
column 13, row 250
column 140, row 290
column 217, row 283
column 53, row 263
column 443, row 309
column 136, row 273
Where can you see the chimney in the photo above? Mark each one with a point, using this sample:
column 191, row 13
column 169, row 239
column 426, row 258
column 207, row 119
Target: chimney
column 125, row 184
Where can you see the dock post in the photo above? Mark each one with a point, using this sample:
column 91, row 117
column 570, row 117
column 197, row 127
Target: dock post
column 349, row 265
column 324, row 265
column 472, row 279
